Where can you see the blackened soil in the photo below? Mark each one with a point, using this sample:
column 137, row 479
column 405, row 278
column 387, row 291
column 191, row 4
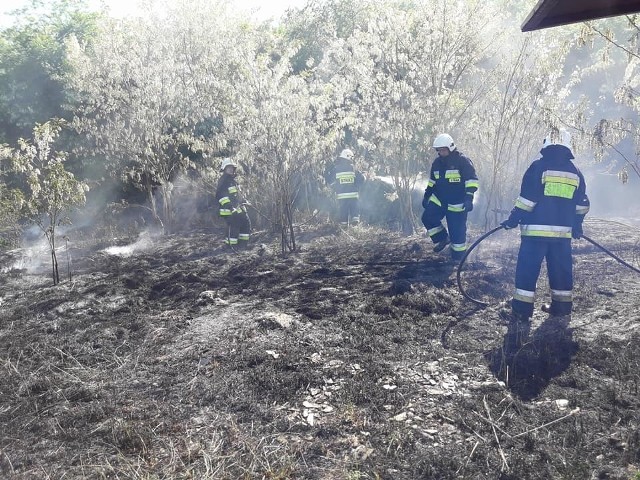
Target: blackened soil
column 356, row 357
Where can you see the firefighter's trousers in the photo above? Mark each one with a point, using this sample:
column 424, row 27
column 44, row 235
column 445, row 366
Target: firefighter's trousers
column 348, row 211
column 239, row 228
column 557, row 252
column 456, row 223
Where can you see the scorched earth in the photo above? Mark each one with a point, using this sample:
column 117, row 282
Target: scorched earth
column 168, row 357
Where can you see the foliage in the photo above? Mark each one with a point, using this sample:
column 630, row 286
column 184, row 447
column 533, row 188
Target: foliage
column 312, row 30
column 403, row 78
column 523, row 98
column 144, row 94
column 615, row 132
column 32, row 63
column 278, row 136
column 52, row 190
column 11, row 200
column 156, row 101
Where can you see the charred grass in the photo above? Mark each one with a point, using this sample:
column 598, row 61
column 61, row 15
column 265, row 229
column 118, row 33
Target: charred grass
column 183, row 361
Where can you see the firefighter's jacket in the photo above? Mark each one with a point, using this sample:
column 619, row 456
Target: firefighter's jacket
column 553, row 197
column 228, row 196
column 452, row 180
column 345, row 179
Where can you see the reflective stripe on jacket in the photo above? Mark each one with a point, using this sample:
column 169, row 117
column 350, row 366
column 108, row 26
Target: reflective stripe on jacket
column 452, row 180
column 227, row 195
column 345, row 179
column 552, row 196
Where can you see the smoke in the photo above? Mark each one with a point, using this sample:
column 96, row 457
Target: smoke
column 34, row 257
column 610, row 198
column 193, row 200
column 31, row 260
column 144, row 242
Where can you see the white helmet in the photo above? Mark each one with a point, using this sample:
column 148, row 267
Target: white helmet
column 444, row 140
column 557, row 137
column 346, row 153
column 226, row 162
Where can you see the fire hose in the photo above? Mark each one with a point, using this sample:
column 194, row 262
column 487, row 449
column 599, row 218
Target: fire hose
column 612, row 255
column 464, row 258
column 500, row 227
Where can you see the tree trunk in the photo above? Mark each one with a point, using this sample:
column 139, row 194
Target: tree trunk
column 152, row 201
column 292, row 235
column 407, row 219
column 50, row 235
column 167, row 206
column 54, row 263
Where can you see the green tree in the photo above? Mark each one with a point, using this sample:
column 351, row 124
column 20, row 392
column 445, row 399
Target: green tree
column 614, row 42
column 312, row 29
column 144, row 90
column 52, row 190
column 525, row 91
column 278, row 133
column 32, row 64
column 401, row 80
column 11, row 201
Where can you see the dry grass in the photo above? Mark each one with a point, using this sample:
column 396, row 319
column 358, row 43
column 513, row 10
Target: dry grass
column 133, row 374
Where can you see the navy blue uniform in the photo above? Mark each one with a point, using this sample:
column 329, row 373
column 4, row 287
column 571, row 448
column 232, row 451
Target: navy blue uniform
column 452, row 184
column 232, row 210
column 550, row 210
column 346, row 182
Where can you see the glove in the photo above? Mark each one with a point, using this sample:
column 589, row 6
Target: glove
column 238, row 210
column 576, row 232
column 510, row 223
column 468, row 204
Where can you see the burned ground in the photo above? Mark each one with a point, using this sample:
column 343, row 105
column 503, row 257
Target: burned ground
column 357, row 357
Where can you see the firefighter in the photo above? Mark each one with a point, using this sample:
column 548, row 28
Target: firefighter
column 232, row 206
column 346, row 181
column 550, row 211
column 449, row 194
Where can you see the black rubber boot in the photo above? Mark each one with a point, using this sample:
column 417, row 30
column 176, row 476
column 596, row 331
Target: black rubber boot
column 511, row 317
column 441, row 244
column 554, row 312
